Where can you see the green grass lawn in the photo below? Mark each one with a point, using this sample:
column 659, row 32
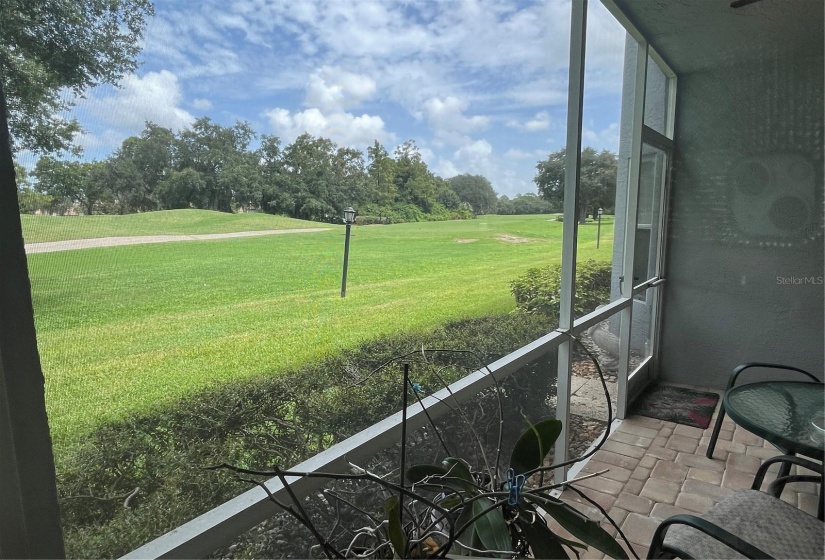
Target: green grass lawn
column 125, row 329
column 168, row 222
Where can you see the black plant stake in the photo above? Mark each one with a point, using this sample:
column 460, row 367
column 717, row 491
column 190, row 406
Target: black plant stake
column 404, row 435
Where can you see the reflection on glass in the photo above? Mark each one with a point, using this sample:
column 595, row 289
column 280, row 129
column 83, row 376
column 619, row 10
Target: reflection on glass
column 588, row 401
column 643, row 332
column 652, row 177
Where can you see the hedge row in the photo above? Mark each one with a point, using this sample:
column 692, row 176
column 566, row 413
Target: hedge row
column 282, row 419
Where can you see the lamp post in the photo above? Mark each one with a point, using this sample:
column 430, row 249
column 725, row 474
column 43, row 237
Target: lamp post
column 599, row 227
column 349, row 218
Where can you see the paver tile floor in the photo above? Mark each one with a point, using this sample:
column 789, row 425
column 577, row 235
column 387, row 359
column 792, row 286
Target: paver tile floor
column 658, row 469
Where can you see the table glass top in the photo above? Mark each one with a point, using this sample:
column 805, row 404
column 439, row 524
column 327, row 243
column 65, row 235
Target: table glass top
column 783, row 412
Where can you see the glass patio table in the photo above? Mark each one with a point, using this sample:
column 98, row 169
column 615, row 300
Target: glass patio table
column 789, row 414
column 783, row 412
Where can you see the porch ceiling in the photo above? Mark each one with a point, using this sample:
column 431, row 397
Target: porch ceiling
column 695, row 35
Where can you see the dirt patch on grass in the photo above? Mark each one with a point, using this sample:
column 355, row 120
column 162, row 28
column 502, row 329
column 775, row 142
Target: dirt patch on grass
column 506, row 238
column 466, row 240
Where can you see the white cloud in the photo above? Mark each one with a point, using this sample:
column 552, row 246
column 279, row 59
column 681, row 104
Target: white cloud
column 475, row 157
column 333, row 88
column 604, row 139
column 155, row 97
column 343, row 128
column 109, row 114
column 541, row 121
column 202, row 104
column 515, row 153
column 477, row 152
column 446, row 168
column 448, row 122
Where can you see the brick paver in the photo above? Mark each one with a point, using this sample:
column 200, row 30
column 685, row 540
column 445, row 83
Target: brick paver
column 744, row 463
column 693, row 502
column 639, row 529
column 659, row 469
column 712, row 477
column 613, row 472
column 663, row 511
column 633, row 503
column 660, row 490
column 630, row 439
column 668, row 470
column 736, row 480
column 634, row 486
column 682, row 443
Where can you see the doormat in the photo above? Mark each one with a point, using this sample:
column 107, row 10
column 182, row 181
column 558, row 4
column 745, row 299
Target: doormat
column 676, row 404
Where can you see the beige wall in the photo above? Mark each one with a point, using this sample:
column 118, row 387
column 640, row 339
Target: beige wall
column 745, row 246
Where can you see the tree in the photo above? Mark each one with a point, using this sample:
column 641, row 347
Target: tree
column 271, row 170
column 476, row 191
column 308, row 186
column 381, row 171
column 120, row 183
column 446, row 196
column 597, row 187
column 48, row 47
column 152, row 156
column 61, row 180
column 29, row 200
column 350, row 178
column 413, row 181
column 183, row 189
column 217, row 153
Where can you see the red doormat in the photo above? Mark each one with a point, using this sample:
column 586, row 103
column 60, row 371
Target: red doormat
column 676, row 404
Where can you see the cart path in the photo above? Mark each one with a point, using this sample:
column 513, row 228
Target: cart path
column 72, row 244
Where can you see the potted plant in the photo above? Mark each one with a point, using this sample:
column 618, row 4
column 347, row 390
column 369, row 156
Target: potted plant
column 452, row 507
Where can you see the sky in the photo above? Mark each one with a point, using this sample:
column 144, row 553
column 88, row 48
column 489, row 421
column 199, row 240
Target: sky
column 481, row 86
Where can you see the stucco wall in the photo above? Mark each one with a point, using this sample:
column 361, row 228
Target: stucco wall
column 745, row 247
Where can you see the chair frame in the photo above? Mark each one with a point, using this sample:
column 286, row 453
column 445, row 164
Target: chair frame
column 658, row 547
column 731, row 382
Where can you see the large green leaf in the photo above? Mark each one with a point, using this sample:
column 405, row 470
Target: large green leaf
column 534, row 445
column 392, row 509
column 543, row 542
column 580, row 526
column 491, row 528
column 469, row 536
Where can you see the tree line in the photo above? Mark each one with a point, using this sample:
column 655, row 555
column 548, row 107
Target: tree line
column 214, row 167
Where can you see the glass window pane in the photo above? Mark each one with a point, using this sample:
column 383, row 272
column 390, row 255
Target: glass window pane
column 642, row 332
column 652, row 177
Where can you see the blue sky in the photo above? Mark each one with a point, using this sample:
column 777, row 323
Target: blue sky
column 480, row 86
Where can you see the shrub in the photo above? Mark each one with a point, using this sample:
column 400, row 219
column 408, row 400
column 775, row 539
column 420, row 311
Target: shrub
column 539, row 289
column 370, row 220
column 281, row 418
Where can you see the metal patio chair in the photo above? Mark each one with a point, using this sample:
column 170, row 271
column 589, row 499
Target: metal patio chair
column 748, row 524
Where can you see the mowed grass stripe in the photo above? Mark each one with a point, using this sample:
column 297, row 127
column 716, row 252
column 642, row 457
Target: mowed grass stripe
column 126, row 329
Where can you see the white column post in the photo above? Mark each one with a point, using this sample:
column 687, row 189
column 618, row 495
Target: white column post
column 575, row 97
column 630, row 225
